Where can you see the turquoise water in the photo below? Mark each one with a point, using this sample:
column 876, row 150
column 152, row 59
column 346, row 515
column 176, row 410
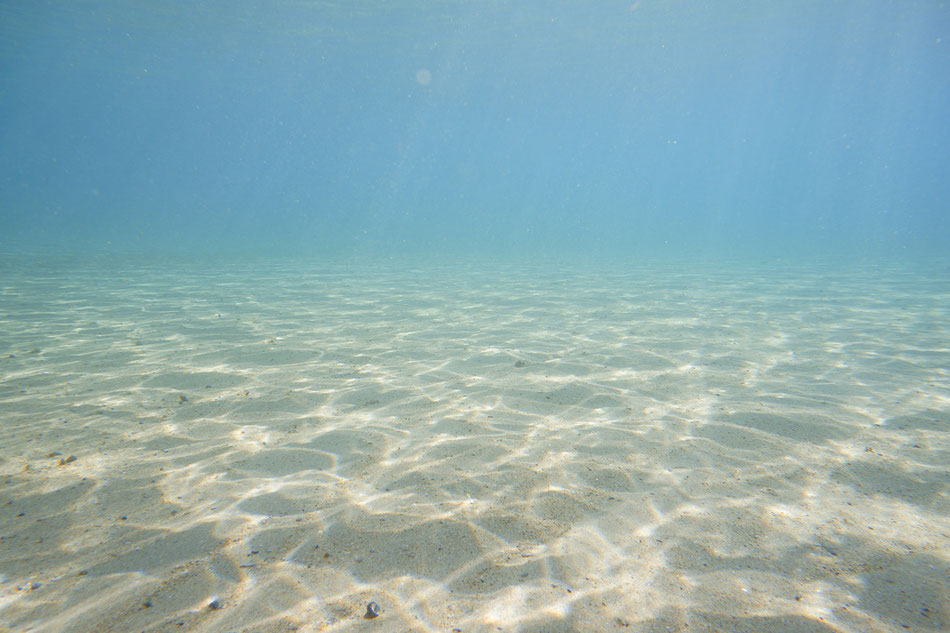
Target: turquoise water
column 489, row 127
column 501, row 317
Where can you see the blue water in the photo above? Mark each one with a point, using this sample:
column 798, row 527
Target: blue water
column 643, row 128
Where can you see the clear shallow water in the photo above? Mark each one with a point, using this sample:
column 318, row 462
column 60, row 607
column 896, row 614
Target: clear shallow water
column 656, row 128
column 505, row 316
column 631, row 448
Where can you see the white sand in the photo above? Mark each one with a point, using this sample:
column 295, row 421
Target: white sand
column 474, row 447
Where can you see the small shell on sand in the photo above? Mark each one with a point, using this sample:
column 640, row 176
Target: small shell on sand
column 372, row 611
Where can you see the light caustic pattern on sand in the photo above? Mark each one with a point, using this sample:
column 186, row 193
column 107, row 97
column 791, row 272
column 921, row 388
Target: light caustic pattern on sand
column 481, row 449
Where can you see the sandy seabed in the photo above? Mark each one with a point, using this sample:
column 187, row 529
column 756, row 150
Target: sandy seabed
column 271, row 446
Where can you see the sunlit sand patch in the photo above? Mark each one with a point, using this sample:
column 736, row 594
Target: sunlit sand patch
column 252, row 438
column 498, row 451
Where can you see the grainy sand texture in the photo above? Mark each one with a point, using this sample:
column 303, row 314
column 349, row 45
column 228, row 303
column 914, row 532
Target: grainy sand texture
column 479, row 447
